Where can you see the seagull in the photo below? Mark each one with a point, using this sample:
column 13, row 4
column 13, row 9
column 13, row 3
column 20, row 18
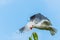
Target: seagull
column 39, row 21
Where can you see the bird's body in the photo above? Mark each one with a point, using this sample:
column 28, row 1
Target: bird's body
column 39, row 21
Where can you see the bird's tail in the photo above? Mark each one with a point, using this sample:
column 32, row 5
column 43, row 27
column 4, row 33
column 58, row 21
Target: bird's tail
column 52, row 30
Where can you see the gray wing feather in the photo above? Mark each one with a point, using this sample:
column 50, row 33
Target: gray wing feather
column 38, row 16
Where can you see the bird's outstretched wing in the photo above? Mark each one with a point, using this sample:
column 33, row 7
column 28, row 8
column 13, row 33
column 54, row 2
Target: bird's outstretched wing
column 22, row 29
column 38, row 16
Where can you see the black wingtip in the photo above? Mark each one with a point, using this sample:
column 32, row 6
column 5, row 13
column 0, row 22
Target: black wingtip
column 21, row 29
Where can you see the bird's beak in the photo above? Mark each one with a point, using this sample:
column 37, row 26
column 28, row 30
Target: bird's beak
column 31, row 28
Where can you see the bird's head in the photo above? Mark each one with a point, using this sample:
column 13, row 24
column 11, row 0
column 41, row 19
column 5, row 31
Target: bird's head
column 30, row 25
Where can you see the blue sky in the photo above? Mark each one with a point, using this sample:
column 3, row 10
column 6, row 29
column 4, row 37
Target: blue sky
column 14, row 14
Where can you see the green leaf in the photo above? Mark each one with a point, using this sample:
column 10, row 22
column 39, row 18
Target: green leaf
column 30, row 38
column 35, row 36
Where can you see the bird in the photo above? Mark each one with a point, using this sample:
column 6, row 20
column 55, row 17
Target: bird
column 39, row 21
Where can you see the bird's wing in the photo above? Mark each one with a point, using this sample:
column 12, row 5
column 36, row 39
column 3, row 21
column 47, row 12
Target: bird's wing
column 22, row 29
column 38, row 16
